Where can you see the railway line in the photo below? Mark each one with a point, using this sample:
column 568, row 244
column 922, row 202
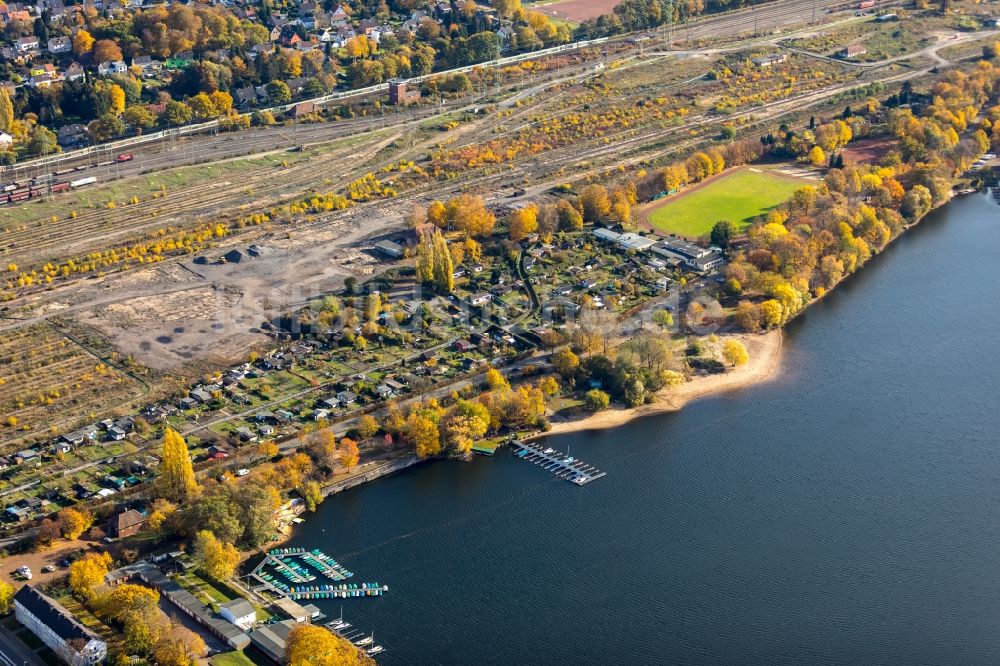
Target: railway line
column 205, row 200
column 758, row 19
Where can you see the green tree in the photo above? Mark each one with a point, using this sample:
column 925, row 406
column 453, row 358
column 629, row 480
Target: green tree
column 106, row 127
column 215, row 511
column 722, row 233
column 43, row 141
column 177, row 113
column 916, row 203
column 257, row 506
column 312, row 494
column 278, row 92
column 139, row 116
column 663, row 319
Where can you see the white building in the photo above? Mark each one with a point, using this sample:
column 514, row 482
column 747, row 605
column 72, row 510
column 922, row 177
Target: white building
column 240, row 612
column 110, row 68
column 60, row 44
column 74, row 643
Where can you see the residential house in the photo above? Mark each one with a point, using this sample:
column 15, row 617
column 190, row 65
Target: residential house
column 26, row 44
column 112, row 68
column 55, row 626
column 6, row 140
column 482, row 298
column 396, row 386
column 339, row 15
column 200, row 395
column 245, row 97
column 125, row 524
column 74, row 72
column 266, row 417
column 149, row 66
column 27, row 455
column 245, row 434
column 347, row 398
column 60, row 44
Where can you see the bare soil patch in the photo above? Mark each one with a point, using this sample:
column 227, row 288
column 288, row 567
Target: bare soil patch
column 578, row 11
column 866, row 151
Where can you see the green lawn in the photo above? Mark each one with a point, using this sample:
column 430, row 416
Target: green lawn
column 738, row 197
column 236, row 658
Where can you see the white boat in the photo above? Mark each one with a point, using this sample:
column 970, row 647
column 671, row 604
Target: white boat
column 365, row 641
column 375, row 650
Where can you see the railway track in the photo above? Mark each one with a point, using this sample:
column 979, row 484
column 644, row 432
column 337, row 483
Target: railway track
column 207, row 199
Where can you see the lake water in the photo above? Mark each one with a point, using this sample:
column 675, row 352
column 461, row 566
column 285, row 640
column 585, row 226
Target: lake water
column 846, row 512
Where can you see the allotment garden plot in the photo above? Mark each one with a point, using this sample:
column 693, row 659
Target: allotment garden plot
column 738, row 196
column 47, row 381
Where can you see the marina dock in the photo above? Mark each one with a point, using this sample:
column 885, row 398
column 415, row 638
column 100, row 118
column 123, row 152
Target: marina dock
column 290, row 572
column 561, row 464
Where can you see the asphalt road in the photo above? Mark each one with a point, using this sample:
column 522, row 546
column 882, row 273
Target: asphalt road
column 15, row 653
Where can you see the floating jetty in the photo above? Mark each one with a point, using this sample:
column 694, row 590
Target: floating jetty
column 290, row 572
column 350, row 633
column 561, row 464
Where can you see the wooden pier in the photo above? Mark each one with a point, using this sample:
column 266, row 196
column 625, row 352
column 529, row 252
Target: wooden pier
column 562, row 465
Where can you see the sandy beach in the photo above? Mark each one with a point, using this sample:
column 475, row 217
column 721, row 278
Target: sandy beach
column 764, row 363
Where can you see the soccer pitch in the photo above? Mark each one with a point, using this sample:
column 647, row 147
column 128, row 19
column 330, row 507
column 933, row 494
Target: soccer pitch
column 738, row 197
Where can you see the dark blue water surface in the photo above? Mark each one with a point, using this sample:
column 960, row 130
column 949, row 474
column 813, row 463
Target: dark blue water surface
column 846, row 512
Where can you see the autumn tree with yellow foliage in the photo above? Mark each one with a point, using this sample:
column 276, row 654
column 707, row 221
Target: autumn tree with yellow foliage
column 523, row 222
column 176, row 482
column 313, row 645
column 735, row 352
column 348, row 453
column 214, row 557
column 85, row 575
column 74, row 522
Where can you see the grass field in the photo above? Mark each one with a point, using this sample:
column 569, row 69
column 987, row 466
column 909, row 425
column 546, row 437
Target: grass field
column 231, row 659
column 738, row 197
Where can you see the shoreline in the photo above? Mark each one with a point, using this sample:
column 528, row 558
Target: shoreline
column 765, row 362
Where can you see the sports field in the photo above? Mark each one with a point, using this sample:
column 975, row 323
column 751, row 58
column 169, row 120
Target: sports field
column 738, row 197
